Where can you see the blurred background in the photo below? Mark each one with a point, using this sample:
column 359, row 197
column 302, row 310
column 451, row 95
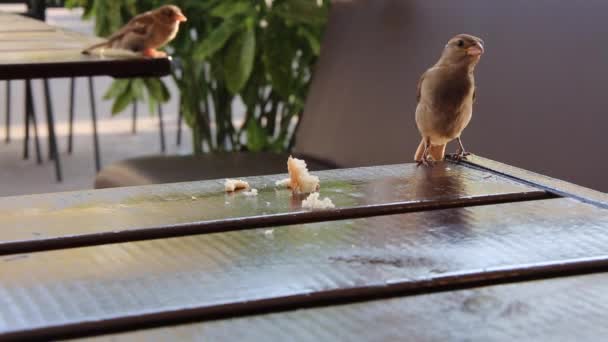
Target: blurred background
column 334, row 82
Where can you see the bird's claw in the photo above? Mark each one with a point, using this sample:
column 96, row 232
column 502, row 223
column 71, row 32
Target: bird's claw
column 426, row 161
column 459, row 155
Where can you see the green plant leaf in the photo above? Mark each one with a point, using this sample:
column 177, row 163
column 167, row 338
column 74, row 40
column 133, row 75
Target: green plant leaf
column 122, row 101
column 302, row 11
column 227, row 9
column 137, row 87
column 116, row 89
column 157, row 89
column 239, row 58
column 278, row 58
column 313, row 39
column 277, row 145
column 256, row 136
column 216, row 39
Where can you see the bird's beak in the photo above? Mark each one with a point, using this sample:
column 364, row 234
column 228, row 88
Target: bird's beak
column 475, row 50
column 180, row 17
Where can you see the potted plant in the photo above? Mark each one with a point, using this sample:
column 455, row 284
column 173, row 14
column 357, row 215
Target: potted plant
column 259, row 51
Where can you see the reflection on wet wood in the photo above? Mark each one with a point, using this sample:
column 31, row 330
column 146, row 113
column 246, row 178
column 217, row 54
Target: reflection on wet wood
column 566, row 309
column 125, row 285
column 53, row 221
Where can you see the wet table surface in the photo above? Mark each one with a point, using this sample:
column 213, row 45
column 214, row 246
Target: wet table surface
column 476, row 250
column 32, row 49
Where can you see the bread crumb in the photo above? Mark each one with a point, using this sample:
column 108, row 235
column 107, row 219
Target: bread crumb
column 252, row 192
column 313, row 202
column 231, row 185
column 283, row 183
column 300, row 180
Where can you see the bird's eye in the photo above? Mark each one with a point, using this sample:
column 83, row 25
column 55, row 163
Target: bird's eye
column 460, row 43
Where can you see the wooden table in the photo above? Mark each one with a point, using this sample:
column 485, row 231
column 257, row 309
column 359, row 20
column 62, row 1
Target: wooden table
column 31, row 49
column 476, row 250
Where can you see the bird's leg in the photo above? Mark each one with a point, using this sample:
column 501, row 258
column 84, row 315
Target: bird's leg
column 153, row 53
column 425, row 160
column 461, row 153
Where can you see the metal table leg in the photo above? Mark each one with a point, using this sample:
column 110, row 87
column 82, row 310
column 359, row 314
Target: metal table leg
column 180, row 118
column 161, row 125
column 71, row 119
column 26, row 139
column 30, row 112
column 51, row 128
column 134, row 122
column 94, row 119
column 8, row 112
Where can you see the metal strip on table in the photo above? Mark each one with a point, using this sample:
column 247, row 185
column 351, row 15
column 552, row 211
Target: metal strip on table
column 52, row 221
column 552, row 185
column 124, row 286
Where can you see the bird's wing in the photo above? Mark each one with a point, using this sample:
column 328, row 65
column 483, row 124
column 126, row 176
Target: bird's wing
column 419, row 87
column 140, row 24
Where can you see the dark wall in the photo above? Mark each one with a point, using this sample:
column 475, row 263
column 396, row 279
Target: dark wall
column 542, row 93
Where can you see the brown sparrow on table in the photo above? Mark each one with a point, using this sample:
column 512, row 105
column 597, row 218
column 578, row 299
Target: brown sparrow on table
column 146, row 32
column 445, row 95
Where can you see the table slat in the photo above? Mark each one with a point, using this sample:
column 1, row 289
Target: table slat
column 564, row 309
column 43, row 222
column 125, row 285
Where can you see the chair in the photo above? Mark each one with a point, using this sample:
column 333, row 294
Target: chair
column 540, row 96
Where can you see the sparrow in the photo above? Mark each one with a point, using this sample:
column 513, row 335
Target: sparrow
column 146, row 32
column 445, row 96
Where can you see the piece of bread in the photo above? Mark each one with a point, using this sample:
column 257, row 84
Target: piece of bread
column 301, row 180
column 313, row 202
column 231, row 185
column 250, row 193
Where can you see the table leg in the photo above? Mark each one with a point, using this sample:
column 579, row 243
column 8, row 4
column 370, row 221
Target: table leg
column 31, row 113
column 71, row 119
column 134, row 122
column 8, row 112
column 180, row 119
column 161, row 125
column 51, row 128
column 94, row 119
column 26, row 139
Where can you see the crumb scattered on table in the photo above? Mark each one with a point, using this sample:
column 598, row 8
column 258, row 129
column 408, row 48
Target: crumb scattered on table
column 231, row 185
column 313, row 202
column 252, row 192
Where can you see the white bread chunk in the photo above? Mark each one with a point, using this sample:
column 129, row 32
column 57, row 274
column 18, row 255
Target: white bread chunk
column 313, row 202
column 231, row 185
column 301, row 180
column 252, row 192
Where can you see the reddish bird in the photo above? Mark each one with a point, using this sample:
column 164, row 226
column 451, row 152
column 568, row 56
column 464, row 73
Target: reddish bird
column 146, row 32
column 445, row 95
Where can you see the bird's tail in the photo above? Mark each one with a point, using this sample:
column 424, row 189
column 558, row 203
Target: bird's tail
column 88, row 50
column 436, row 151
